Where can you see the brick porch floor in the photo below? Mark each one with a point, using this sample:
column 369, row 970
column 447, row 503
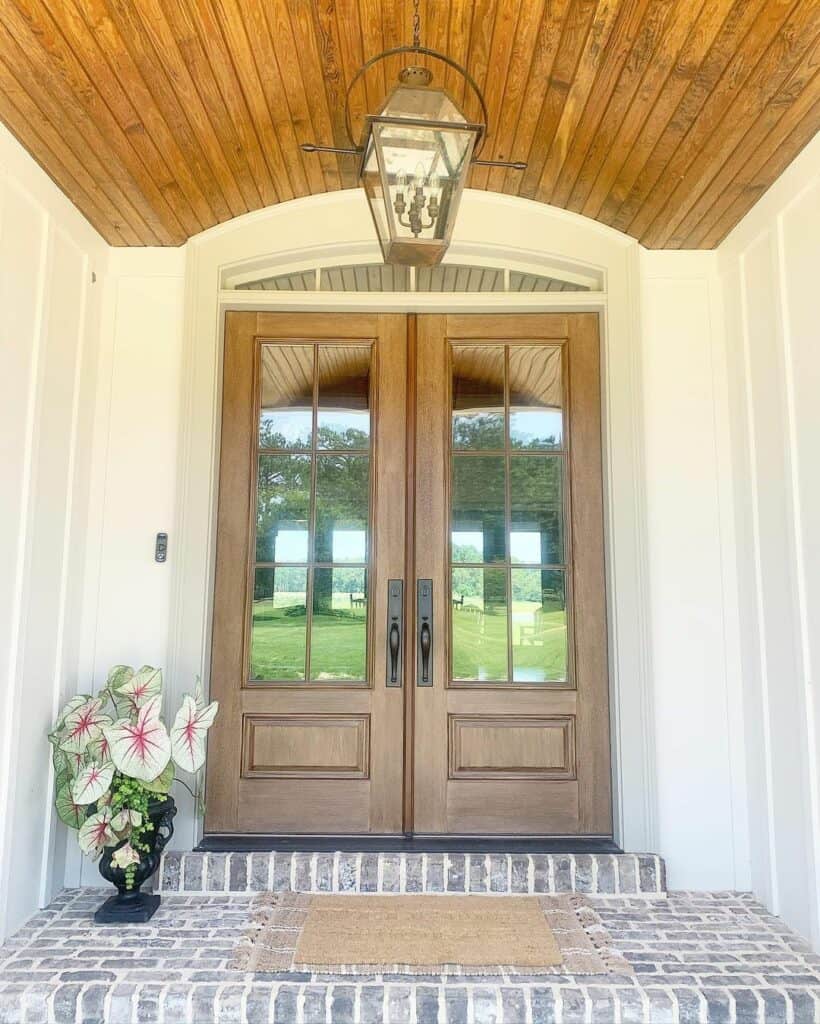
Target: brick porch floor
column 698, row 957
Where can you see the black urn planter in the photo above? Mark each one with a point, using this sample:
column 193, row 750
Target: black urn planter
column 130, row 906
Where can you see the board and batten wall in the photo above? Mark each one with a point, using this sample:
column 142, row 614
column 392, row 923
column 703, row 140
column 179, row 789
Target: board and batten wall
column 49, row 333
column 769, row 268
column 692, row 595
column 94, row 422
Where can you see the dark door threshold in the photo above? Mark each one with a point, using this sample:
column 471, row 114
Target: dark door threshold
column 240, row 843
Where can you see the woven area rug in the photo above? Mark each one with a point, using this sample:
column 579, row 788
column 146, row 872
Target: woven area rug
column 450, row 935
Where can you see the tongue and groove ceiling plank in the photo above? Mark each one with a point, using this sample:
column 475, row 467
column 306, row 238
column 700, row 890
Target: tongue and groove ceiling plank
column 666, row 119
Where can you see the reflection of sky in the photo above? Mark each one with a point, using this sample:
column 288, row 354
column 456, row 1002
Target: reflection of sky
column 526, row 427
column 343, row 420
column 469, row 539
column 348, row 545
column 291, row 545
column 525, row 546
column 295, row 425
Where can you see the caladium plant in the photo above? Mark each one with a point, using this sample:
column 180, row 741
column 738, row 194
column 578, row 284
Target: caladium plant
column 113, row 754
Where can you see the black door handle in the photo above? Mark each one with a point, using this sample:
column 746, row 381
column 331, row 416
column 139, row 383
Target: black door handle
column 424, row 617
column 395, row 644
column 425, row 640
column 395, row 618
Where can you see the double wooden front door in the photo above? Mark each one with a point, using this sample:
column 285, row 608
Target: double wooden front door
column 409, row 613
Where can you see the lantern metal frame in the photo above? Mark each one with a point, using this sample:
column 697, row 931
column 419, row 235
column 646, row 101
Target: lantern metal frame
column 412, row 251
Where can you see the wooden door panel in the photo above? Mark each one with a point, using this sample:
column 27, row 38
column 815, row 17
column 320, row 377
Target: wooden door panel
column 515, row 742
column 504, row 747
column 320, row 746
column 322, row 807
column 309, row 737
column 512, row 808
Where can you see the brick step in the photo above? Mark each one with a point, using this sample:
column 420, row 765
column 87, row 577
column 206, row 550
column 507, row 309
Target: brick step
column 602, row 874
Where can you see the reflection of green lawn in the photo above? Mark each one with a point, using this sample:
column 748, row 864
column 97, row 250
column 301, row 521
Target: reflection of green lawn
column 278, row 640
column 480, row 643
column 338, row 650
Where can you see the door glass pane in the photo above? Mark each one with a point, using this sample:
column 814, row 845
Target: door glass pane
column 279, row 624
column 536, row 509
column 539, row 626
column 286, row 416
column 508, row 624
column 344, row 397
column 342, row 502
column 478, row 397
column 283, row 508
column 479, row 624
column 309, row 620
column 536, row 418
column 478, row 508
column 338, row 639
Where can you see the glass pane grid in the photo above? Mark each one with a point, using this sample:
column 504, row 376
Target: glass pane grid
column 508, row 604
column 309, row 621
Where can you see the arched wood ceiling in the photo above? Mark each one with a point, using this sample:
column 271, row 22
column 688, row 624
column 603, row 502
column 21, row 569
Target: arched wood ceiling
column 666, row 119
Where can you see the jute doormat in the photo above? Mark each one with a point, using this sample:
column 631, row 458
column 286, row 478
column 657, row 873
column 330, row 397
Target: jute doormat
column 452, row 935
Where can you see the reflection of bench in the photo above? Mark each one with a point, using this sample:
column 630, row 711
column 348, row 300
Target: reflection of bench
column 356, row 601
column 534, row 633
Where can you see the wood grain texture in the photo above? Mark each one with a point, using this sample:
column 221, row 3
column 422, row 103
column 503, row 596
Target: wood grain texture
column 512, row 757
column 664, row 119
column 274, row 742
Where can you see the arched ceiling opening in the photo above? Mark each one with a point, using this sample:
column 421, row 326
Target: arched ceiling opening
column 665, row 119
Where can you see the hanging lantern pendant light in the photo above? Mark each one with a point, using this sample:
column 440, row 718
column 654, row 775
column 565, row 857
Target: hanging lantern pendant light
column 415, row 156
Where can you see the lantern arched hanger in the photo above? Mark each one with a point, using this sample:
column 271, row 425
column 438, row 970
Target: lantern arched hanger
column 415, row 156
column 423, row 76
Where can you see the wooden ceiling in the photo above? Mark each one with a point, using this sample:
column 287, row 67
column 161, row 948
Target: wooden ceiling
column 666, row 119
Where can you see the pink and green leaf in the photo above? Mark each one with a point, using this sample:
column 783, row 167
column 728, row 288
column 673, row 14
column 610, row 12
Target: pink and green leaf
column 141, row 687
column 126, row 819
column 124, row 856
column 72, row 705
column 83, row 724
column 98, row 749
column 96, row 832
column 92, row 782
column 188, row 733
column 68, row 811
column 140, row 749
column 162, row 783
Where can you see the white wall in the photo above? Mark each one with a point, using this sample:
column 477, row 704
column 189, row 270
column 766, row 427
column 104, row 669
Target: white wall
column 134, row 471
column 49, row 316
column 769, row 267
column 698, row 730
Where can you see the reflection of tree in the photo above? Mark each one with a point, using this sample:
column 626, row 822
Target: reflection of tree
column 485, row 431
column 283, row 496
column 347, row 438
column 478, row 431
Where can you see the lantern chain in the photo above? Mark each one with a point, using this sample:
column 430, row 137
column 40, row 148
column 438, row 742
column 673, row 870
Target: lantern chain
column 416, row 25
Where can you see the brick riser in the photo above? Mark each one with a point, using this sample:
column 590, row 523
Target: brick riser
column 600, row 874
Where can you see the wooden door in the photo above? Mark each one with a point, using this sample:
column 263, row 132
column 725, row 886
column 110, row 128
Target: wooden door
column 311, row 527
column 458, row 457
column 512, row 729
